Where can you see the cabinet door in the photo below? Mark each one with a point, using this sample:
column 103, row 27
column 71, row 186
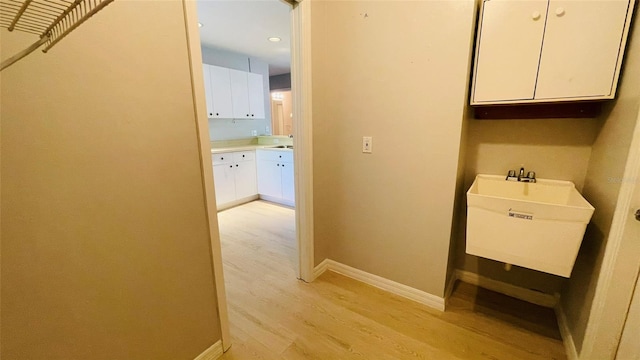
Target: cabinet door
column 240, row 94
column 221, row 92
column 509, row 43
column 288, row 193
column 223, row 180
column 269, row 178
column 208, row 91
column 245, row 176
column 256, row 96
column 580, row 51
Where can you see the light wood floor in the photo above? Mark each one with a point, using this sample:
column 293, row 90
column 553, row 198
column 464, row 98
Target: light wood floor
column 275, row 316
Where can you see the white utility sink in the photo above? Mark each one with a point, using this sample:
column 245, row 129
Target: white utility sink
column 534, row 225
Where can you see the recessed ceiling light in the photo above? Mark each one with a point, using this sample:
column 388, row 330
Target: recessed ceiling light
column 199, row 24
column 274, row 39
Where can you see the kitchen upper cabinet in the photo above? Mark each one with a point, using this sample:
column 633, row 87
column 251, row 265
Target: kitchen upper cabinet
column 233, row 94
column 240, row 94
column 256, row 95
column 549, row 50
column 247, row 91
column 217, row 88
column 275, row 176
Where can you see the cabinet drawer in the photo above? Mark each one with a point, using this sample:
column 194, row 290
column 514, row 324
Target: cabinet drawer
column 244, row 156
column 222, row 158
column 275, row 155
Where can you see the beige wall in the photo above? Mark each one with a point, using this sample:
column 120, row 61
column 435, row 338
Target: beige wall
column 105, row 242
column 602, row 185
column 553, row 148
column 396, row 71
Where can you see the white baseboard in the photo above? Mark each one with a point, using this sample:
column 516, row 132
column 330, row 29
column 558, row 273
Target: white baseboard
column 235, row 203
column 393, row 287
column 567, row 338
column 321, row 268
column 277, row 200
column 528, row 295
column 212, row 353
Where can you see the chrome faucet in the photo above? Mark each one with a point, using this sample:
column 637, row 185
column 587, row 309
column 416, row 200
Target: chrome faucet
column 530, row 177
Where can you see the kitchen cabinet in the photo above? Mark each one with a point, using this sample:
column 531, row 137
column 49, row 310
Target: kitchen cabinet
column 245, row 174
column 217, row 88
column 234, row 175
column 549, row 50
column 275, row 176
column 233, row 94
column 256, row 95
column 247, row 94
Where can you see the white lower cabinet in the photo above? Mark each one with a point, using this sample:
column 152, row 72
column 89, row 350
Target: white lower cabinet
column 234, row 175
column 275, row 176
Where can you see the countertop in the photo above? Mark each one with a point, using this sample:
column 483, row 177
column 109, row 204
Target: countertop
column 247, row 148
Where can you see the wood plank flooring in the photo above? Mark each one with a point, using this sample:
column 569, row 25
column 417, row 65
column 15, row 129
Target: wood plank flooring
column 275, row 316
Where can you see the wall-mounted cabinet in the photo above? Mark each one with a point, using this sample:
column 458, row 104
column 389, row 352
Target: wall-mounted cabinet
column 247, row 94
column 233, row 94
column 549, row 50
column 217, row 88
column 275, row 174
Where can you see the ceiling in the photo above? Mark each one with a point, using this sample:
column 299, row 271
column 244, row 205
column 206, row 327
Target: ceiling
column 244, row 26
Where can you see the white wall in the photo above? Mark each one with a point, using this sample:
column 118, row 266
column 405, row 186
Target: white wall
column 397, row 71
column 225, row 129
column 105, row 241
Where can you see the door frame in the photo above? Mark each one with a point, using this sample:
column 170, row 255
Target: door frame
column 619, row 269
column 629, row 347
column 303, row 135
column 303, row 143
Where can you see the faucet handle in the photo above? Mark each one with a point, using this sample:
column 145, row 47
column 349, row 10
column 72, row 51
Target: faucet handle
column 531, row 174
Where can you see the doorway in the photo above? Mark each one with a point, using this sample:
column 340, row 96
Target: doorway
column 281, row 111
column 302, row 141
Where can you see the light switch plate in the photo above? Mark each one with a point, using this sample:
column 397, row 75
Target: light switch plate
column 367, row 144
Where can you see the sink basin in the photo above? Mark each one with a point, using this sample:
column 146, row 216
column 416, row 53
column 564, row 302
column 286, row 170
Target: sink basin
column 534, row 225
column 283, row 147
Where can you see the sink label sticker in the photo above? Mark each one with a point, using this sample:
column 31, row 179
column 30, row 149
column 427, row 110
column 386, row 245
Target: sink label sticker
column 520, row 215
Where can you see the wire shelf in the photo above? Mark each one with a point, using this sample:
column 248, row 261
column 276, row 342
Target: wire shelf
column 51, row 20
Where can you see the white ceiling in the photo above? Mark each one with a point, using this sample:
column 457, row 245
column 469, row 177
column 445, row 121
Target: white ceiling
column 244, row 26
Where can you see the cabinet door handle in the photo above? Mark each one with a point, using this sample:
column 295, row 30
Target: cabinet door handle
column 236, row 165
column 278, row 165
column 638, row 214
column 536, row 15
column 247, row 115
column 221, row 158
column 231, row 166
column 217, row 114
column 282, row 165
column 559, row 11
